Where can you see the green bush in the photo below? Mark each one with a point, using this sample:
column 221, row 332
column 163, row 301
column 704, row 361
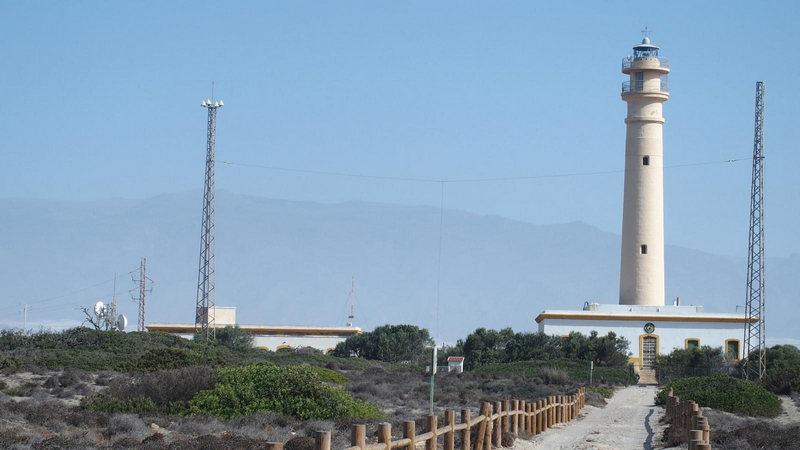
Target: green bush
column 725, row 393
column 166, row 359
column 326, row 374
column 577, row 370
column 264, row 387
column 782, row 381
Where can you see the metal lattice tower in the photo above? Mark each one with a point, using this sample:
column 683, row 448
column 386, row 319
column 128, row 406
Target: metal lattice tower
column 141, row 293
column 206, row 296
column 755, row 327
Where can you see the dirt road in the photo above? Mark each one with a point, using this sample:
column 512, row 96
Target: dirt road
column 629, row 421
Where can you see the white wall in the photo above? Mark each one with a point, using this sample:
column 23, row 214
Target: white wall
column 273, row 343
column 671, row 335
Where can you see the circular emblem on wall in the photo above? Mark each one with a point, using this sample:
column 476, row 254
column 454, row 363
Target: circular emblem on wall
column 649, row 327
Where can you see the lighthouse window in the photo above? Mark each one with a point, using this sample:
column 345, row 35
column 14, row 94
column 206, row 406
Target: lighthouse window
column 639, row 81
column 644, row 249
column 646, row 161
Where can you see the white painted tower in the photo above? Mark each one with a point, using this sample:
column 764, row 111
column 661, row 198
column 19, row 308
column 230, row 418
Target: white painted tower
column 642, row 264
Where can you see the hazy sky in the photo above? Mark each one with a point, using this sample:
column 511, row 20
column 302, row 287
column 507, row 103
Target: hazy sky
column 102, row 99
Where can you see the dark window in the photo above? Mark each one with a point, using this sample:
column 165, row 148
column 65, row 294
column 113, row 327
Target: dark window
column 639, row 78
column 692, row 343
column 646, row 161
column 644, row 249
column 732, row 350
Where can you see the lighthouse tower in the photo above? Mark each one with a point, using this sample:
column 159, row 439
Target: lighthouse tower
column 642, row 265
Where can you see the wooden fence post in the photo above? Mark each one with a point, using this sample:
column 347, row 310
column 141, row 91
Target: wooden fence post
column 431, row 426
column 408, row 433
column 385, row 435
column 450, row 435
column 515, row 419
column 490, row 428
column 546, row 414
column 466, row 436
column 506, row 415
column 497, row 427
column 482, row 427
column 322, row 441
column 358, row 436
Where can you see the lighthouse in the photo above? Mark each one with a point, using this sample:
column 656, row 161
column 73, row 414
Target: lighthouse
column 651, row 327
column 641, row 279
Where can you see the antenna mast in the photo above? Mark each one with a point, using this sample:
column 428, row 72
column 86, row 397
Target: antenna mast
column 141, row 293
column 204, row 322
column 352, row 298
column 755, row 327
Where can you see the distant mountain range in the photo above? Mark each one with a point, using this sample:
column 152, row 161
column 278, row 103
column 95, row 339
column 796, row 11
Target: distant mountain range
column 287, row 262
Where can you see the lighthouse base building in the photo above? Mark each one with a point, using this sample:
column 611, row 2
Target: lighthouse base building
column 651, row 330
column 651, row 327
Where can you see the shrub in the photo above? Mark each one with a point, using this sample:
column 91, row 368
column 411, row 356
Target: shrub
column 230, row 336
column 576, row 370
column 326, row 374
column 283, row 390
column 169, row 390
column 725, row 393
column 165, row 359
column 782, row 381
column 391, row 343
column 553, row 376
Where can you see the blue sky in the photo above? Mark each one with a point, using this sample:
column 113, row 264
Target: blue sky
column 102, row 99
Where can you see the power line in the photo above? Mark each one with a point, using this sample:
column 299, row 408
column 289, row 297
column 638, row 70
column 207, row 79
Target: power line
column 67, row 294
column 475, row 180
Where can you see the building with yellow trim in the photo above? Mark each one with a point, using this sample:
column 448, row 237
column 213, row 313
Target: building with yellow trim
column 270, row 337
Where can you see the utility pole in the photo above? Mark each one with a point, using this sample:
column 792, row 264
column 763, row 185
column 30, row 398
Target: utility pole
column 141, row 293
column 204, row 322
column 25, row 318
column 755, row 327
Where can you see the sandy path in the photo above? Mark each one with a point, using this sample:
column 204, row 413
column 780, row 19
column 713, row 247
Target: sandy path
column 629, row 421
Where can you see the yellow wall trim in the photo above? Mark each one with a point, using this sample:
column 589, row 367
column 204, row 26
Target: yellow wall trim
column 653, row 318
column 260, row 331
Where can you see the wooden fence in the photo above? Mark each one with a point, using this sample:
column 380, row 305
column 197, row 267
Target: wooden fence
column 687, row 417
column 512, row 416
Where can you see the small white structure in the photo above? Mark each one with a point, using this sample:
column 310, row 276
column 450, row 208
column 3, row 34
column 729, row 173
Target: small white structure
column 455, row 364
column 269, row 337
column 641, row 316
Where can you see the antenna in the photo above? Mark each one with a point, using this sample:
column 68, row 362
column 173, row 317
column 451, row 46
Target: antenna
column 204, row 320
column 122, row 322
column 755, row 362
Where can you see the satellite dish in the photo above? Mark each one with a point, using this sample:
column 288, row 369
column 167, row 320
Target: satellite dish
column 122, row 322
column 99, row 309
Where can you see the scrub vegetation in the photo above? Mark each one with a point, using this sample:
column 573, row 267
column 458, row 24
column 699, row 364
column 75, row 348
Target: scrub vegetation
column 725, row 393
column 88, row 389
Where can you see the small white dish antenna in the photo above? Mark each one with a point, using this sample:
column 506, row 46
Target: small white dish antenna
column 122, row 322
column 99, row 309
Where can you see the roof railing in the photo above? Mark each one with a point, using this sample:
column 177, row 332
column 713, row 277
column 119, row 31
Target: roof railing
column 627, row 62
column 642, row 86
